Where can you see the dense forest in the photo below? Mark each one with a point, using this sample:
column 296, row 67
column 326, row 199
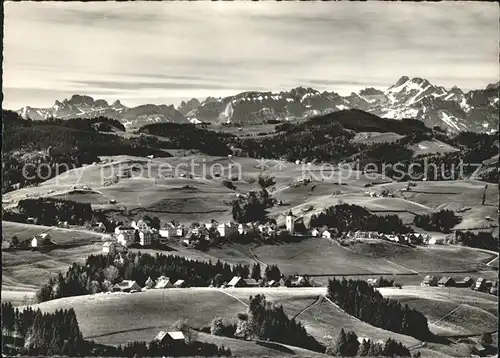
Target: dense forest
column 481, row 240
column 33, row 333
column 347, row 217
column 442, row 221
column 189, row 136
column 34, row 151
column 348, row 345
column 101, row 272
column 268, row 321
column 49, row 211
column 361, row 300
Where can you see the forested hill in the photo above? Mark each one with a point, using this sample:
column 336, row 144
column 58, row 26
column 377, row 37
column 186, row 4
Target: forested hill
column 63, row 142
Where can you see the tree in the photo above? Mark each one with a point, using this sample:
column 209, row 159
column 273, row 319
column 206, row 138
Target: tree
column 486, row 339
column 217, row 326
column 339, row 347
column 352, row 344
column 112, row 274
column 364, row 349
column 14, row 242
column 256, row 272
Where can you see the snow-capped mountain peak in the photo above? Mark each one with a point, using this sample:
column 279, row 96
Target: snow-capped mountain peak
column 452, row 109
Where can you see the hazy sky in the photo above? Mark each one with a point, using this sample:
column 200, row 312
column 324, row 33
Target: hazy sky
column 151, row 52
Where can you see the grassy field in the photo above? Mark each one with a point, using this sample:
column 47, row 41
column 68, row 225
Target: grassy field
column 376, row 137
column 318, row 256
column 431, row 147
column 118, row 318
column 27, row 270
column 432, row 258
column 73, row 236
column 451, row 311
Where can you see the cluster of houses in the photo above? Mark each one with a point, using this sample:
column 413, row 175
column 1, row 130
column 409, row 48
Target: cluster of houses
column 162, row 282
column 143, row 234
column 295, row 281
column 481, row 284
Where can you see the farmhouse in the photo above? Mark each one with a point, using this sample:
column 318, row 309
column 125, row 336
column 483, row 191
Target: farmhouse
column 466, row 282
column 429, row 280
column 480, row 284
column 109, row 248
column 446, row 281
column 127, row 286
column 175, row 337
column 237, row 281
column 180, row 284
column 40, row 240
column 163, row 282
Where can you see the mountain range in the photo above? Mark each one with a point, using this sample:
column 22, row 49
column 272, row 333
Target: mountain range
column 452, row 109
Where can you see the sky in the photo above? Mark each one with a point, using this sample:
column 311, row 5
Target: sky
column 165, row 52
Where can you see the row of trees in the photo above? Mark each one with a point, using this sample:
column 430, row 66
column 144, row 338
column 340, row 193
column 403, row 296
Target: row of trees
column 347, row 217
column 441, row 221
column 101, row 272
column 348, row 345
column 361, row 300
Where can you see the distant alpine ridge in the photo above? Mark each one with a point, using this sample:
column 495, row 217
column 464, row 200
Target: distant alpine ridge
column 451, row 109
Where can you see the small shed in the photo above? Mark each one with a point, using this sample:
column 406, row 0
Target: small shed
column 273, row 283
column 163, row 282
column 236, row 281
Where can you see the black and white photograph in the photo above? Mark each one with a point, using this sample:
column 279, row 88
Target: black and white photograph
column 250, row 179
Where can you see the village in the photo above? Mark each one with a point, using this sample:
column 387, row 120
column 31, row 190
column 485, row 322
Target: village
column 141, row 234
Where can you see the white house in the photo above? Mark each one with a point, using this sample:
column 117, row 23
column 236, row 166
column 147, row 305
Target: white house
column 109, row 248
column 38, row 240
column 326, row 234
column 226, row 229
column 125, row 235
column 290, row 222
column 315, row 233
